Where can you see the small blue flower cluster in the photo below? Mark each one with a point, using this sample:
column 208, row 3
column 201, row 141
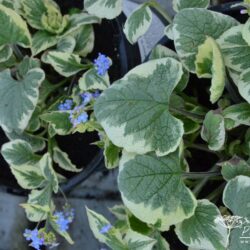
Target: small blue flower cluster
column 33, row 235
column 63, row 219
column 105, row 229
column 102, row 64
column 67, row 105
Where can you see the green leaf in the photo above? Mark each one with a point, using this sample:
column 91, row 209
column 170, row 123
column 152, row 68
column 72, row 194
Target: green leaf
column 84, row 38
column 209, row 63
column 33, row 11
column 161, row 243
column 112, row 238
column 5, row 53
column 200, row 23
column 36, row 143
column 235, row 50
column 66, row 64
column 138, row 226
column 138, row 23
column 59, row 121
column 246, row 32
column 160, row 51
column 66, row 44
column 243, row 84
column 18, row 99
column 213, row 130
column 42, row 40
column 62, row 159
column 91, row 80
column 48, row 172
column 236, row 197
column 167, row 200
column 168, row 31
column 28, row 176
column 37, row 203
column 27, row 64
column 234, row 167
column 183, row 4
column 201, row 231
column 134, row 110
column 77, row 21
column 137, row 241
column 64, row 234
column 111, row 154
column 19, row 152
column 238, row 114
column 104, row 8
column 11, row 21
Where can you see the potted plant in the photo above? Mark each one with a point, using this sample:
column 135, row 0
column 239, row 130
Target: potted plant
column 53, row 66
column 182, row 122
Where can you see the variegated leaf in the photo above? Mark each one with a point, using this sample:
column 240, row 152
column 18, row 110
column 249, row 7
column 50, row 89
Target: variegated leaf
column 243, row 83
column 19, row 152
column 104, row 8
column 138, row 23
column 213, row 130
column 134, row 111
column 153, row 190
column 184, row 4
column 246, row 32
column 63, row 161
column 200, row 23
column 66, row 44
column 11, row 21
column 91, row 81
column 201, row 231
column 66, row 64
column 5, row 53
column 209, row 63
column 18, row 99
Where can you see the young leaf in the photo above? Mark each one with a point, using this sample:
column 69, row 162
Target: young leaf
column 41, row 41
column 91, row 80
column 167, row 200
column 111, row 154
column 138, row 23
column 66, row 44
column 11, row 21
column 234, row 167
column 27, row 64
column 183, row 4
column 213, row 130
column 209, row 64
column 66, row 64
column 28, row 176
column 18, row 99
column 134, row 111
column 238, row 114
column 236, row 197
column 137, row 241
column 104, row 8
column 235, row 49
column 201, row 231
column 48, row 172
column 19, row 152
column 244, row 85
column 200, row 23
column 59, row 121
column 111, row 236
column 62, row 159
column 5, row 53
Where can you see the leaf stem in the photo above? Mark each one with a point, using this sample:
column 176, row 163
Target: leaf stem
column 189, row 114
column 198, row 175
column 216, row 192
column 160, row 10
column 19, row 55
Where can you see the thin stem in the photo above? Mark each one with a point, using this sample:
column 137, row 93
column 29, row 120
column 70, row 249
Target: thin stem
column 201, row 147
column 19, row 55
column 216, row 192
column 189, row 114
column 197, row 175
column 64, row 196
column 202, row 183
column 160, row 10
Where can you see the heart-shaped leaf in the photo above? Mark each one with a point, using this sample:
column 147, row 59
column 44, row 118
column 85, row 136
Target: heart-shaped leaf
column 18, row 99
column 153, row 189
column 183, row 4
column 134, row 111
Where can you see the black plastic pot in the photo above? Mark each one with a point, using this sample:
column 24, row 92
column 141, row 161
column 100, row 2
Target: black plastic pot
column 204, row 161
column 110, row 40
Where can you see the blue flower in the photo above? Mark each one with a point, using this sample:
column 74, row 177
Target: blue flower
column 96, row 94
column 67, row 105
column 102, row 64
column 33, row 235
column 78, row 115
column 63, row 219
column 105, row 229
column 86, row 97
